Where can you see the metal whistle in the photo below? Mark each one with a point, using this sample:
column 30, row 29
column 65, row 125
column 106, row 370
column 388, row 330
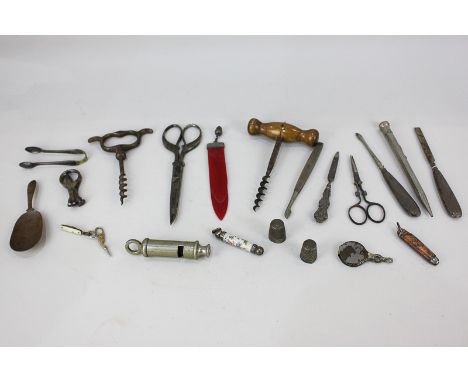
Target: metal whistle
column 168, row 248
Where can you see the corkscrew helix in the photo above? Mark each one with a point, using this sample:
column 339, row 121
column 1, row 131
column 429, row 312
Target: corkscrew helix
column 121, row 152
column 280, row 132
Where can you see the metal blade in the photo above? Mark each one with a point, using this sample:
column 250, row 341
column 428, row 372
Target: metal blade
column 176, row 184
column 374, row 157
column 356, row 177
column 274, row 155
column 333, row 167
column 425, row 146
column 306, row 171
column 398, row 151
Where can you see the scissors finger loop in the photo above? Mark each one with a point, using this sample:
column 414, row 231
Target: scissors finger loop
column 193, row 144
column 174, row 147
column 369, row 214
column 364, row 214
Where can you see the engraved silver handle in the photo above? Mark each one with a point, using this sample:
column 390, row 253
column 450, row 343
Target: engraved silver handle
column 322, row 211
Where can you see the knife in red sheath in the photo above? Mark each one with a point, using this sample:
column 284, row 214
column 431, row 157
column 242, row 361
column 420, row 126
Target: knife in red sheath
column 218, row 175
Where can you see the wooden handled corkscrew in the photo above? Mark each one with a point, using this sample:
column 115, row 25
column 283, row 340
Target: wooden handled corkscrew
column 287, row 132
column 280, row 132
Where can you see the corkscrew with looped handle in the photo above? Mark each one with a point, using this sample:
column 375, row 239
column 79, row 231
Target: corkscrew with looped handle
column 121, row 152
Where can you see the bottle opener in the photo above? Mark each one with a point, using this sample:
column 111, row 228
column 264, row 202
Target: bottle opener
column 72, row 185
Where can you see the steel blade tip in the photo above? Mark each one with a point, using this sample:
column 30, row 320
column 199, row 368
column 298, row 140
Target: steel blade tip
column 287, row 213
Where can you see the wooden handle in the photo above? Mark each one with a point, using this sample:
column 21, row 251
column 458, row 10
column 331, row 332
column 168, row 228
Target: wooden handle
column 287, row 132
column 417, row 245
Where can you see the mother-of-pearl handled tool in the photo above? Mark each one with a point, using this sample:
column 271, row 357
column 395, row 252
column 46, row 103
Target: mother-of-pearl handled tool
column 446, row 194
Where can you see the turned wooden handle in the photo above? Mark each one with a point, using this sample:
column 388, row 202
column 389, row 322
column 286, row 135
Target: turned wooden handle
column 288, row 133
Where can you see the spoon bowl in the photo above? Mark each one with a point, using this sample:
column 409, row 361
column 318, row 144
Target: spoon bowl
column 27, row 231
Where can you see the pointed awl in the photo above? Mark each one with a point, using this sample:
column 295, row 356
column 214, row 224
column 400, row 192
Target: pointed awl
column 398, row 151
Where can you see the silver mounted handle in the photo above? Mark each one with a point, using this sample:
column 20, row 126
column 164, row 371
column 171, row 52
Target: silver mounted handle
column 322, row 211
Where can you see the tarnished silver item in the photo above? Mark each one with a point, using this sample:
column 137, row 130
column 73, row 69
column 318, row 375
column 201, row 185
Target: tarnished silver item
column 446, row 194
column 238, row 242
column 168, row 248
column 399, row 192
column 97, row 233
column 398, row 151
column 305, row 173
column 277, row 231
column 38, row 150
column 361, row 194
column 322, row 211
column 72, row 185
column 353, row 254
column 309, row 251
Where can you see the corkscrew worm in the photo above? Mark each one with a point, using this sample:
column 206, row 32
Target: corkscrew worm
column 121, row 152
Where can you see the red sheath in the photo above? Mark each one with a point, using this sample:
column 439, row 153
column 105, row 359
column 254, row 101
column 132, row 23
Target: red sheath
column 218, row 178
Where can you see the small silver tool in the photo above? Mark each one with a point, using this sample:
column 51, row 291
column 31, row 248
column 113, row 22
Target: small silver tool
column 361, row 194
column 238, row 242
column 445, row 192
column 401, row 195
column 322, row 211
column 38, row 150
column 305, row 173
column 309, row 251
column 98, row 234
column 398, row 151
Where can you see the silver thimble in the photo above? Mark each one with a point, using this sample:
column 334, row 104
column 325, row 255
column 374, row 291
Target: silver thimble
column 309, row 251
column 277, row 233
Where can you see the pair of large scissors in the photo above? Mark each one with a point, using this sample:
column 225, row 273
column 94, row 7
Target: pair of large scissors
column 361, row 195
column 180, row 148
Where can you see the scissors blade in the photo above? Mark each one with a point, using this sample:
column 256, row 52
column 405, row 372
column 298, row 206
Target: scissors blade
column 176, row 184
column 356, row 177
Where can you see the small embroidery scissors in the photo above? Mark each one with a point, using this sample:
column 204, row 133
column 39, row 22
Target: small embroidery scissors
column 361, row 195
column 180, row 148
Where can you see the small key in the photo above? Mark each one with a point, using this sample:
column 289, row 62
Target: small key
column 98, row 234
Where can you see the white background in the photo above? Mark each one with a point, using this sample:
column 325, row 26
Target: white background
column 57, row 92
